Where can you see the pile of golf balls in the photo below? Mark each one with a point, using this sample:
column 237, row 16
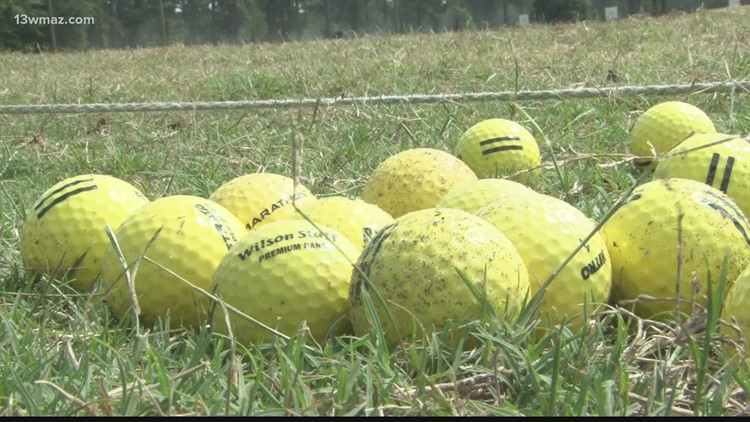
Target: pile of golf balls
column 435, row 239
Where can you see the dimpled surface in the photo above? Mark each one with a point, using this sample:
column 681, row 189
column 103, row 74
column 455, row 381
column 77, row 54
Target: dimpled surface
column 736, row 310
column 354, row 218
column 725, row 165
column 415, row 179
column 473, row 195
column 260, row 198
column 282, row 274
column 499, row 147
column 666, row 124
column 68, row 222
column 642, row 239
column 545, row 230
column 413, row 262
column 195, row 235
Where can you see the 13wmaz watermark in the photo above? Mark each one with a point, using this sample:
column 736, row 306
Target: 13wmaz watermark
column 54, row 20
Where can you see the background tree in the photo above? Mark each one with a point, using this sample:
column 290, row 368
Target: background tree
column 144, row 23
column 486, row 12
column 561, row 10
column 22, row 37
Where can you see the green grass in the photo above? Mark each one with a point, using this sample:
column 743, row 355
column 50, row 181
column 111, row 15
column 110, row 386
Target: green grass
column 63, row 353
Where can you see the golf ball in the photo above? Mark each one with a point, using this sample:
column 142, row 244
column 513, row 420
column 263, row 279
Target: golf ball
column 356, row 219
column 415, row 179
column 261, row 198
column 282, row 274
column 473, row 195
column 412, row 264
column 64, row 232
column 668, row 239
column 736, row 310
column 499, row 147
column 545, row 231
column 664, row 125
column 719, row 160
column 173, row 237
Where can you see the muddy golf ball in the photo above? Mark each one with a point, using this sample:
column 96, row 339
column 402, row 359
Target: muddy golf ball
column 669, row 240
column 415, row 179
column 410, row 267
column 737, row 312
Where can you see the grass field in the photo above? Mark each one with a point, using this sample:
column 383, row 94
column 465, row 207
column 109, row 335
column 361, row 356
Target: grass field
column 64, row 354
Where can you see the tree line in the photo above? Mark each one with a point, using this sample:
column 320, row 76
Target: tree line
column 25, row 25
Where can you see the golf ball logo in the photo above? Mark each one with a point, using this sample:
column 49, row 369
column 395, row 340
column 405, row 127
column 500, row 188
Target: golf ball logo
column 306, row 240
column 595, row 265
column 284, row 273
column 67, row 190
column 219, row 224
column 715, row 160
column 273, row 208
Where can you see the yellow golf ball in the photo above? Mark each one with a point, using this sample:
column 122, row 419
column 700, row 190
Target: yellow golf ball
column 471, row 196
column 356, row 219
column 664, row 125
column 668, row 225
column 260, row 198
column 415, row 179
column 724, row 165
column 170, row 238
column 499, row 147
column 64, row 232
column 545, row 231
column 282, row 274
column 736, row 311
column 412, row 263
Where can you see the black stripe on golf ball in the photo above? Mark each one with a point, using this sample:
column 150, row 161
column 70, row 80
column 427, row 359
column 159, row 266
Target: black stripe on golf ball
column 368, row 255
column 62, row 198
column 712, row 169
column 499, row 139
column 499, row 149
column 60, row 189
column 727, row 174
column 733, row 218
